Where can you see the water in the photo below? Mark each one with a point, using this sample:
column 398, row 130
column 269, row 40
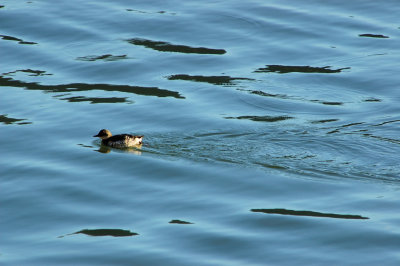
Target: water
column 271, row 133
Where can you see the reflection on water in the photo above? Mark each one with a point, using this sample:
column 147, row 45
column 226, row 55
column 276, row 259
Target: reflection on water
column 297, row 98
column 31, row 72
column 20, row 41
column 94, row 100
column 216, row 80
column 135, row 150
column 391, row 140
column 372, row 100
column 9, row 120
column 327, row 103
column 281, row 69
column 324, row 121
column 179, row 222
column 266, row 94
column 72, row 87
column 290, row 125
column 85, row 146
column 106, row 57
column 147, row 12
column 309, row 213
column 374, row 35
column 177, row 48
column 105, row 232
column 264, row 118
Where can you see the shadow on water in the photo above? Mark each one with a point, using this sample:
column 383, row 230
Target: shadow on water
column 216, row 80
column 309, row 213
column 281, row 69
column 104, row 232
column 177, row 48
column 20, row 41
column 73, row 87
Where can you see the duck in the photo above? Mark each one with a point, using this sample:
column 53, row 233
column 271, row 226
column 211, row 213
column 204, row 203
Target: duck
column 118, row 141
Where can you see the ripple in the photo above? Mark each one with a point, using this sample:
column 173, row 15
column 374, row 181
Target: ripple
column 303, row 153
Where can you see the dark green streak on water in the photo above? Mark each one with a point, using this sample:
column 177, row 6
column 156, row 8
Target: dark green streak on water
column 300, row 69
column 93, row 100
column 177, row 48
column 20, row 41
column 179, row 222
column 309, row 213
column 148, row 91
column 106, row 232
column 8, row 120
column 106, row 57
column 283, row 96
column 374, row 35
column 265, row 118
column 324, row 121
column 31, row 72
column 266, row 94
column 326, row 102
column 216, row 80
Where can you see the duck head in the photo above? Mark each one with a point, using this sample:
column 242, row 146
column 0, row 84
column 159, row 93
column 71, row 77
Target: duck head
column 103, row 134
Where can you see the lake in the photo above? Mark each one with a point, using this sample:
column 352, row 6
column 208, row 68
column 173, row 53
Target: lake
column 271, row 132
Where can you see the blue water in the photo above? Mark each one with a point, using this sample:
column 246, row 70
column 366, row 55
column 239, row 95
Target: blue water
column 271, row 132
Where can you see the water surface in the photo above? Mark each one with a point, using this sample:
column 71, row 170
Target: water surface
column 271, row 133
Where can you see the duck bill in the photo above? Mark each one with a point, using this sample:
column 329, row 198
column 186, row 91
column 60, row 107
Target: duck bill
column 96, row 135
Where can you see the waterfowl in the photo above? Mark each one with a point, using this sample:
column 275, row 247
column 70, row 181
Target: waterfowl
column 118, row 141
